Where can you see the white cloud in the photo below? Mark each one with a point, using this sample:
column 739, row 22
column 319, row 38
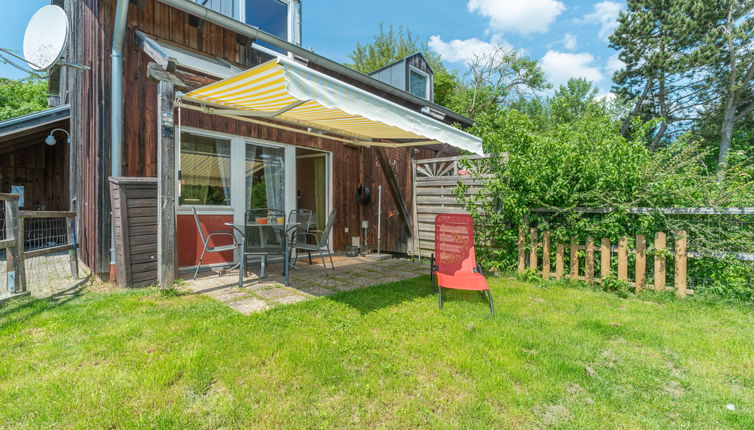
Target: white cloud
column 461, row 51
column 522, row 16
column 569, row 41
column 605, row 14
column 613, row 64
column 562, row 66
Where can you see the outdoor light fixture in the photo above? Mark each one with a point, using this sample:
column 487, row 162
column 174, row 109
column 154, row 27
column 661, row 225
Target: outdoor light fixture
column 50, row 140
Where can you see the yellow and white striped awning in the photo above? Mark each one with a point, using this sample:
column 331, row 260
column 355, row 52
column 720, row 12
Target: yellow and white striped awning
column 288, row 91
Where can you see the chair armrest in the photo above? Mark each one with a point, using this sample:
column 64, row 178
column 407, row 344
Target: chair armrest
column 223, row 233
column 304, row 234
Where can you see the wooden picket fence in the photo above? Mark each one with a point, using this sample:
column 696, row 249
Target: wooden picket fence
column 606, row 251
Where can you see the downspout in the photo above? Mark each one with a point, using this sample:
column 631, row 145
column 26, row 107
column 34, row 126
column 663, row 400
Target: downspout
column 116, row 106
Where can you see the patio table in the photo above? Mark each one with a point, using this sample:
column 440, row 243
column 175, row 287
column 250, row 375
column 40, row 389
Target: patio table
column 241, row 228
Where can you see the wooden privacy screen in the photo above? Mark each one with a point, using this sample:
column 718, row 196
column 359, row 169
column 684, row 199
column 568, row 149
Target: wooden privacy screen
column 134, row 206
column 606, row 250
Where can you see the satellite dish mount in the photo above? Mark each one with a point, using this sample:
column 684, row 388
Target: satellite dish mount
column 45, row 40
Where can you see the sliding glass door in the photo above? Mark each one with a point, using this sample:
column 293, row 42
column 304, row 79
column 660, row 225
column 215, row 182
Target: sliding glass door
column 265, row 177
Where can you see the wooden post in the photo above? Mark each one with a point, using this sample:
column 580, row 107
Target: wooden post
column 14, row 255
column 659, row 261
column 559, row 255
column 520, row 245
column 623, row 258
column 574, row 260
column 589, row 264
column 680, row 264
column 546, row 255
column 72, row 253
column 604, row 258
column 641, row 262
column 533, row 250
column 166, row 229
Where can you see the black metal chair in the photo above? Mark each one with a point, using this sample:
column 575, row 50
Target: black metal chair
column 206, row 238
column 301, row 220
column 321, row 241
column 264, row 241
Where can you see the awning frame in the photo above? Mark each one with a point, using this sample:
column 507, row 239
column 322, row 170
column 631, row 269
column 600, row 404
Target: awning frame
column 347, row 136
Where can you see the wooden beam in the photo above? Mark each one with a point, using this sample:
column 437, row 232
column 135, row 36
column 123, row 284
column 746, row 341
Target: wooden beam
column 395, row 190
column 156, row 73
column 15, row 255
column 166, row 222
column 154, row 51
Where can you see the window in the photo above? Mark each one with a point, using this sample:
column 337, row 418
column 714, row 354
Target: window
column 418, row 83
column 270, row 16
column 205, row 171
column 265, row 177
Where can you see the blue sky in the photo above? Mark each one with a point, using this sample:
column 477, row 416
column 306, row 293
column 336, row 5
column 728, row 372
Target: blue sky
column 568, row 37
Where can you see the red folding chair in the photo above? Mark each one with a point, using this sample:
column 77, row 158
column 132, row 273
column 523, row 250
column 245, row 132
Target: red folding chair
column 453, row 265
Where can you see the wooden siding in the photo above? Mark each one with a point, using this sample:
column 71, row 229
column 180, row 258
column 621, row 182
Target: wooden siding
column 41, row 169
column 89, row 96
column 134, row 205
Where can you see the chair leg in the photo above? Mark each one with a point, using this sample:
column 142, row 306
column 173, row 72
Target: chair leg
column 439, row 291
column 310, row 257
column 329, row 254
column 323, row 259
column 196, row 272
column 492, row 307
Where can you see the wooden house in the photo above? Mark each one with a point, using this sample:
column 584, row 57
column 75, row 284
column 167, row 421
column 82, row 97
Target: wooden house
column 147, row 109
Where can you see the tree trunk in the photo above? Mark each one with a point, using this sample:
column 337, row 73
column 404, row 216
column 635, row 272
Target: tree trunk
column 726, row 134
column 624, row 129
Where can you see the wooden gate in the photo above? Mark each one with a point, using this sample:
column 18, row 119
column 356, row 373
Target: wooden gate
column 435, row 184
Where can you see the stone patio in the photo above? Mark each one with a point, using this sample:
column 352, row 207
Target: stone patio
column 307, row 281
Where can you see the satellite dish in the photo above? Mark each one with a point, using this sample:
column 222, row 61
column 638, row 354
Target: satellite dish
column 46, row 38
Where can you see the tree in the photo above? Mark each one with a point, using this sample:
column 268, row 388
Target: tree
column 573, row 100
column 654, row 39
column 19, row 97
column 727, row 53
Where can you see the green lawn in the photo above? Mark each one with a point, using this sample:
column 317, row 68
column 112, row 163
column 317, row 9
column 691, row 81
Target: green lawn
column 384, row 356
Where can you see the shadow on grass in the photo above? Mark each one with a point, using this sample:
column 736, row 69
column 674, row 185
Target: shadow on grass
column 38, row 306
column 384, row 296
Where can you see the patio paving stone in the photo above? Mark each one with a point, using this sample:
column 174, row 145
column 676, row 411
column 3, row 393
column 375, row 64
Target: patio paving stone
column 306, row 282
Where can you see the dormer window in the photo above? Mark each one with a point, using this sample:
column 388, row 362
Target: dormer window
column 418, row 83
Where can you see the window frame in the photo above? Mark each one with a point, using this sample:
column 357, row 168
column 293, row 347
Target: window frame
column 242, row 17
column 426, row 85
column 211, row 135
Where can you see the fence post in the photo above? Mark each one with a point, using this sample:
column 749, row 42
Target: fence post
column 72, row 253
column 623, row 258
column 659, row 261
column 574, row 260
column 604, row 258
column 559, row 255
column 546, row 255
column 589, row 264
column 680, row 264
column 641, row 261
column 533, row 250
column 520, row 245
column 15, row 255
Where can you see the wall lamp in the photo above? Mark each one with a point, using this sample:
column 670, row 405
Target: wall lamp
column 50, row 140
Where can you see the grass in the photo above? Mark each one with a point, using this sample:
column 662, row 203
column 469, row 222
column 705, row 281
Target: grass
column 384, row 356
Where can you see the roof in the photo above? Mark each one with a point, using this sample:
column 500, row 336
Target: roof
column 34, row 120
column 402, row 60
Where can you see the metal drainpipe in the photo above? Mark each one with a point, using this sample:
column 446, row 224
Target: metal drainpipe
column 116, row 107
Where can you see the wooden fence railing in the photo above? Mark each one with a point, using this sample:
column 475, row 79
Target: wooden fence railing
column 606, row 251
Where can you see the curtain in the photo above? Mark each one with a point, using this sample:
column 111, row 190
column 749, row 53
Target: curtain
column 223, row 165
column 274, row 178
column 251, row 160
column 319, row 192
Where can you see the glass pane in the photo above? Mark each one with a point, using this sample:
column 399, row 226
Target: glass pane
column 270, row 16
column 265, row 177
column 205, row 170
column 417, row 84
